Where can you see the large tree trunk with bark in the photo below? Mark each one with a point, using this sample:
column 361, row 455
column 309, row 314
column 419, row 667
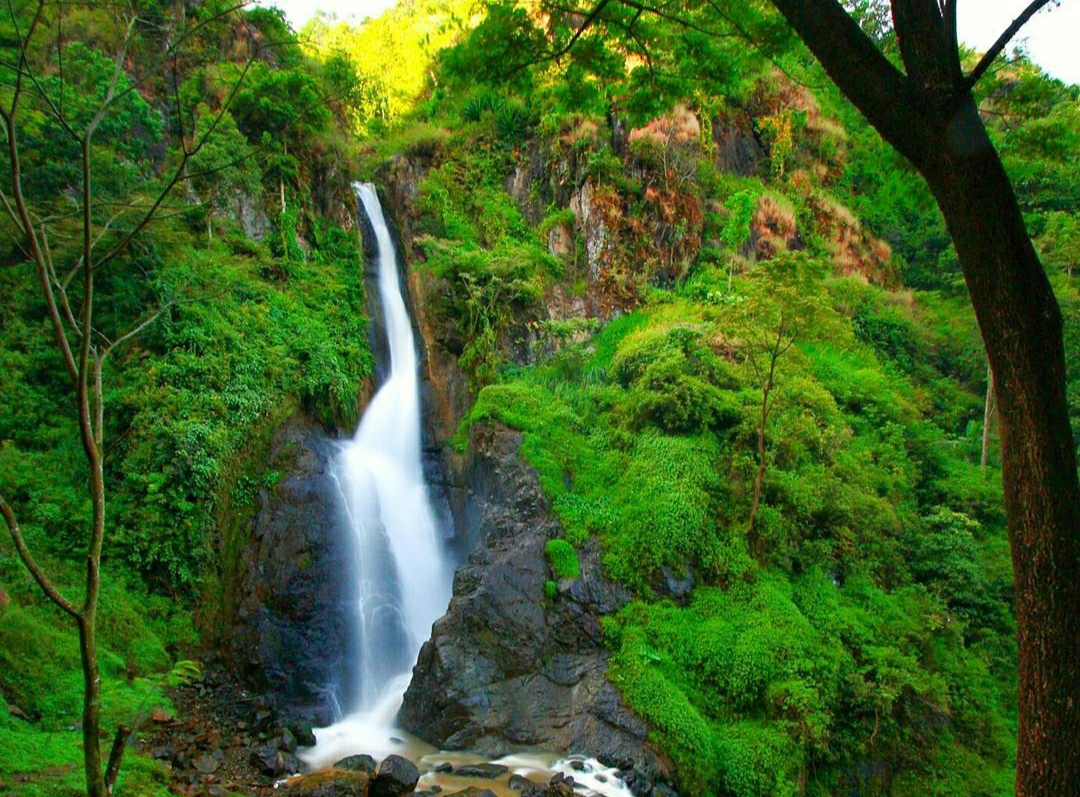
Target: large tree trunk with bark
column 1021, row 326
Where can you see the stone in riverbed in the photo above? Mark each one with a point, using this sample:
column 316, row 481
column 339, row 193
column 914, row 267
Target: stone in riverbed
column 519, row 782
column 334, row 783
column 262, row 721
column 445, row 766
column 305, row 737
column 358, row 763
column 396, row 776
column 472, row 791
column 209, row 764
column 637, row 782
column 560, row 786
column 164, row 752
column 480, row 770
column 288, row 741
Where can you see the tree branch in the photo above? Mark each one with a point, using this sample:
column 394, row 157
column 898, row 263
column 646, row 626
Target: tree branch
column 135, row 330
column 921, row 35
column 995, row 50
column 60, row 287
column 860, row 70
column 178, row 174
column 31, row 564
column 27, row 227
column 24, row 68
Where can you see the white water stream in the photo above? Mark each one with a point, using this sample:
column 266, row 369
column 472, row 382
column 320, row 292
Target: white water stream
column 402, row 571
column 402, row 568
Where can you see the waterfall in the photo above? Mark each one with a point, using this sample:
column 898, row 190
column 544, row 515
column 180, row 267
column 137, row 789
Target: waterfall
column 402, row 573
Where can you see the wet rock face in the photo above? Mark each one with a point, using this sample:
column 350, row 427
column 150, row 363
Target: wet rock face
column 506, row 669
column 291, row 630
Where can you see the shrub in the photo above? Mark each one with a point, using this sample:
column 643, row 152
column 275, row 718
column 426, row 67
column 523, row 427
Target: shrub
column 563, row 559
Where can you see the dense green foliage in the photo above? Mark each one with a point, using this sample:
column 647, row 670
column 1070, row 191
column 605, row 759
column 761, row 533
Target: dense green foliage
column 257, row 300
column 861, row 639
column 662, row 319
column 881, row 608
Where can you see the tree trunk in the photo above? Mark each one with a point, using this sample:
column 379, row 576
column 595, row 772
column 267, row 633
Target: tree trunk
column 988, row 413
column 1021, row 326
column 930, row 117
column 759, row 477
column 91, row 720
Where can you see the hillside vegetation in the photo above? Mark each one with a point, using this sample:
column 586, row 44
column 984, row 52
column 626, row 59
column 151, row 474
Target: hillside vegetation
column 262, row 307
column 784, row 403
column 725, row 316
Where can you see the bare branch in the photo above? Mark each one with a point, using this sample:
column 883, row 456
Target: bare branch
column 31, row 564
column 135, row 330
column 27, row 227
column 118, row 70
column 860, row 70
column 178, row 174
column 586, row 23
column 170, row 51
column 24, row 68
column 60, row 287
column 14, row 220
column 995, row 50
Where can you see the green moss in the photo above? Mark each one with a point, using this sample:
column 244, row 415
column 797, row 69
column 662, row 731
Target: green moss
column 563, row 559
column 37, row 763
column 40, row 673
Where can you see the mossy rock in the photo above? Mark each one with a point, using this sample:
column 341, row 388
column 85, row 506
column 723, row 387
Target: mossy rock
column 332, row 783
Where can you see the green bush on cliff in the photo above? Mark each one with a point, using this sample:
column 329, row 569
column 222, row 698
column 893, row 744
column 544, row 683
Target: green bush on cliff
column 783, row 665
column 563, row 559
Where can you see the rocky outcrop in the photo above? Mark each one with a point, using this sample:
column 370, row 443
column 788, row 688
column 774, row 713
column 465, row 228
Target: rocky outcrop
column 508, row 668
column 735, row 148
column 292, row 626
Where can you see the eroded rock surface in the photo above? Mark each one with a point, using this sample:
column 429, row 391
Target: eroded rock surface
column 507, row 669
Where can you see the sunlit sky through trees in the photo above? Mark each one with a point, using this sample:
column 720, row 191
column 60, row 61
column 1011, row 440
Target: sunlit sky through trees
column 1050, row 38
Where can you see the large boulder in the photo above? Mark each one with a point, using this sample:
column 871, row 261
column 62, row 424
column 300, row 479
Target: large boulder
column 396, row 776
column 506, row 669
column 358, row 763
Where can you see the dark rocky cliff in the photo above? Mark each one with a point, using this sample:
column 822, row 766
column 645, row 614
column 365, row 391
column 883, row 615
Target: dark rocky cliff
column 292, row 627
column 508, row 668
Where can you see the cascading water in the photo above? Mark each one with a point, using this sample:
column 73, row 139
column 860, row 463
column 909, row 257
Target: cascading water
column 402, row 571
